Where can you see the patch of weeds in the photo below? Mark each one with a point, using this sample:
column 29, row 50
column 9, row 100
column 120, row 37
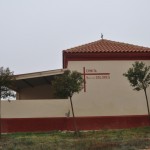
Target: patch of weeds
column 125, row 139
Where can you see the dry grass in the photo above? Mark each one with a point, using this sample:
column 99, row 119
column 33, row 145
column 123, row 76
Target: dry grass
column 127, row 139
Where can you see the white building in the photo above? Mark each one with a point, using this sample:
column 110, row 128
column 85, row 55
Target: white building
column 107, row 100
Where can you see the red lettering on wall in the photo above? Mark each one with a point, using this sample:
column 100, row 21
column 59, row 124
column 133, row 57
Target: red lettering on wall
column 93, row 74
column 91, row 70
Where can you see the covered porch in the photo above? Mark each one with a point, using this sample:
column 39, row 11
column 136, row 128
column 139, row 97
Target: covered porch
column 36, row 85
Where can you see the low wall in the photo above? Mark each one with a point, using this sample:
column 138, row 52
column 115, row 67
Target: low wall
column 47, row 115
column 34, row 108
column 64, row 123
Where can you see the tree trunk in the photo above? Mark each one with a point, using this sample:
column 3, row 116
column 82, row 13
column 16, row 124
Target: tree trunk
column 147, row 102
column 74, row 121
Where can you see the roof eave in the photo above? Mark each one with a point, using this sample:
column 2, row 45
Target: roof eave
column 39, row 74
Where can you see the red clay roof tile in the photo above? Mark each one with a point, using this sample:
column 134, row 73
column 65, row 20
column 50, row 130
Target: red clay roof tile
column 107, row 46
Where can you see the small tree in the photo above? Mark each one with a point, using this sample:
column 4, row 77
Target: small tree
column 66, row 85
column 6, row 81
column 139, row 78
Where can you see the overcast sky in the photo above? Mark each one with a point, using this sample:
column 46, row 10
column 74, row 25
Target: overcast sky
column 33, row 33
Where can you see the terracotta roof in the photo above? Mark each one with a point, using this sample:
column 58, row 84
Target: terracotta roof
column 107, row 46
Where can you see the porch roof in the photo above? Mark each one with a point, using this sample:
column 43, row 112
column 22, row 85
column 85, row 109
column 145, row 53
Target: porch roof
column 35, row 78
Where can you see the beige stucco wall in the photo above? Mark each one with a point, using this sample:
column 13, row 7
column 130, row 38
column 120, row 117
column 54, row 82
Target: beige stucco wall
column 108, row 97
column 103, row 97
column 34, row 109
column 38, row 92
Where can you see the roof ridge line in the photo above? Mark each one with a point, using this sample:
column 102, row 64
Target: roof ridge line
column 128, row 44
column 84, row 44
column 105, row 45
